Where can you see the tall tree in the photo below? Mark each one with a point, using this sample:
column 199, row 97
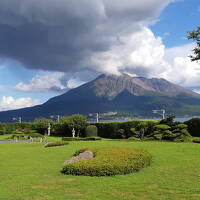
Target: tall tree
column 195, row 36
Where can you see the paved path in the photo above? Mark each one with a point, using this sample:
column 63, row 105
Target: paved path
column 12, row 141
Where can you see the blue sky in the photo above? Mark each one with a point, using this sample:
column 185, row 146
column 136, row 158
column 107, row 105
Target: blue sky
column 20, row 79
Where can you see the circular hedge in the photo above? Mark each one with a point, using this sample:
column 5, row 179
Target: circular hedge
column 109, row 161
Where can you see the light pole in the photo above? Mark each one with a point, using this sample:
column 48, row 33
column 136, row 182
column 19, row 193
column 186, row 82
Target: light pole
column 56, row 116
column 19, row 119
column 97, row 116
column 160, row 112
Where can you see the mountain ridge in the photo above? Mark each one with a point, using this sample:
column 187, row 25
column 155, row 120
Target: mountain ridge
column 138, row 95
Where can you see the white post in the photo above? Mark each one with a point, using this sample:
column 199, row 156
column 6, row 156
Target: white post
column 163, row 114
column 49, row 129
column 97, row 115
column 73, row 132
column 58, row 118
column 20, row 120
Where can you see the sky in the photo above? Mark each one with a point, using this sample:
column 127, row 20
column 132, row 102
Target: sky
column 48, row 47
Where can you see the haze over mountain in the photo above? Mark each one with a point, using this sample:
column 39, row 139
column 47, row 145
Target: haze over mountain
column 137, row 95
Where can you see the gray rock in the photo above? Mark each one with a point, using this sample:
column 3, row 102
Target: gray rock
column 86, row 155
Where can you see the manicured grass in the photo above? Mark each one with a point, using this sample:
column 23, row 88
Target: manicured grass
column 31, row 172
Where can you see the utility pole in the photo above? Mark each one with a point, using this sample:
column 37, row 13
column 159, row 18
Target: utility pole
column 19, row 119
column 97, row 116
column 57, row 117
column 160, row 112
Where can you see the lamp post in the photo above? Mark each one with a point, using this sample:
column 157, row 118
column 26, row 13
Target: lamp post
column 160, row 112
column 56, row 116
column 97, row 116
column 19, row 119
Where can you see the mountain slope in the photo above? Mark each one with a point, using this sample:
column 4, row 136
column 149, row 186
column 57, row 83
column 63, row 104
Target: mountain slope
column 138, row 95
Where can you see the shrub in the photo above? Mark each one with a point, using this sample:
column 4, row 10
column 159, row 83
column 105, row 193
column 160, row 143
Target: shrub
column 194, row 127
column 196, row 140
column 18, row 136
column 121, row 134
column 35, row 135
column 92, row 138
column 110, row 129
column 1, row 132
column 91, row 130
column 109, row 161
column 133, row 139
column 57, row 143
column 162, row 127
column 72, row 139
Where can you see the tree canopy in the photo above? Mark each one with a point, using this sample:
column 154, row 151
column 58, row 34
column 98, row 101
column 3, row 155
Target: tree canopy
column 195, row 36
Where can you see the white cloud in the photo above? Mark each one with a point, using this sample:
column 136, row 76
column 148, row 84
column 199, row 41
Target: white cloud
column 10, row 103
column 140, row 53
column 52, row 81
column 43, row 83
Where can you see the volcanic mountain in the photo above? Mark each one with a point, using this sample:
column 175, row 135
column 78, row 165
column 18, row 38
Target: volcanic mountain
column 136, row 95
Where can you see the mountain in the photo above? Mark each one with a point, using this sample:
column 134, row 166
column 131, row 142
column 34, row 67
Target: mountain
column 137, row 95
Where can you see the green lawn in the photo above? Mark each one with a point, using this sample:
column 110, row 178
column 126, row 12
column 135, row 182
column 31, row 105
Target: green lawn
column 31, row 172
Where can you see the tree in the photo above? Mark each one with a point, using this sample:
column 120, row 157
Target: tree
column 195, row 36
column 140, row 130
column 76, row 121
column 41, row 124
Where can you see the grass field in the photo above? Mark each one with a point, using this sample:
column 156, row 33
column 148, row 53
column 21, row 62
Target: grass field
column 31, row 172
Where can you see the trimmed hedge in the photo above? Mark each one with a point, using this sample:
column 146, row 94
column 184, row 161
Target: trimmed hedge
column 109, row 161
column 54, row 144
column 81, row 139
column 72, row 139
column 110, row 129
column 91, row 130
column 134, row 139
column 194, row 127
column 196, row 140
column 92, row 138
column 35, row 135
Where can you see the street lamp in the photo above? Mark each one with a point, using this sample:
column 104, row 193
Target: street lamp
column 160, row 112
column 97, row 116
column 19, row 119
column 56, row 116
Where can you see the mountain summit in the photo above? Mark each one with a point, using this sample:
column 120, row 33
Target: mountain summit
column 137, row 95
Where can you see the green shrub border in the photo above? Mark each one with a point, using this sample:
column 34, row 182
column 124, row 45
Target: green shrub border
column 109, row 161
column 54, row 144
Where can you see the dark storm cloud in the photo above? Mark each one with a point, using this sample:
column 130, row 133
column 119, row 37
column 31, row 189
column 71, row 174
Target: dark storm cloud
column 62, row 35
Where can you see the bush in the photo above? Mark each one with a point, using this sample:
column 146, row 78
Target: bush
column 91, row 130
column 35, row 135
column 110, row 129
column 92, row 138
column 72, row 139
column 194, row 127
column 133, row 139
column 196, row 140
column 121, row 134
column 57, row 143
column 162, row 127
column 18, row 136
column 1, row 132
column 109, row 161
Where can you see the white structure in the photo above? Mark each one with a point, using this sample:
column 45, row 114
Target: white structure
column 160, row 112
column 73, row 132
column 49, row 129
column 19, row 119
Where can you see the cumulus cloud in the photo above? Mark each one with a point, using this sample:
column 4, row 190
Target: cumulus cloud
column 43, row 83
column 10, row 103
column 64, row 35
